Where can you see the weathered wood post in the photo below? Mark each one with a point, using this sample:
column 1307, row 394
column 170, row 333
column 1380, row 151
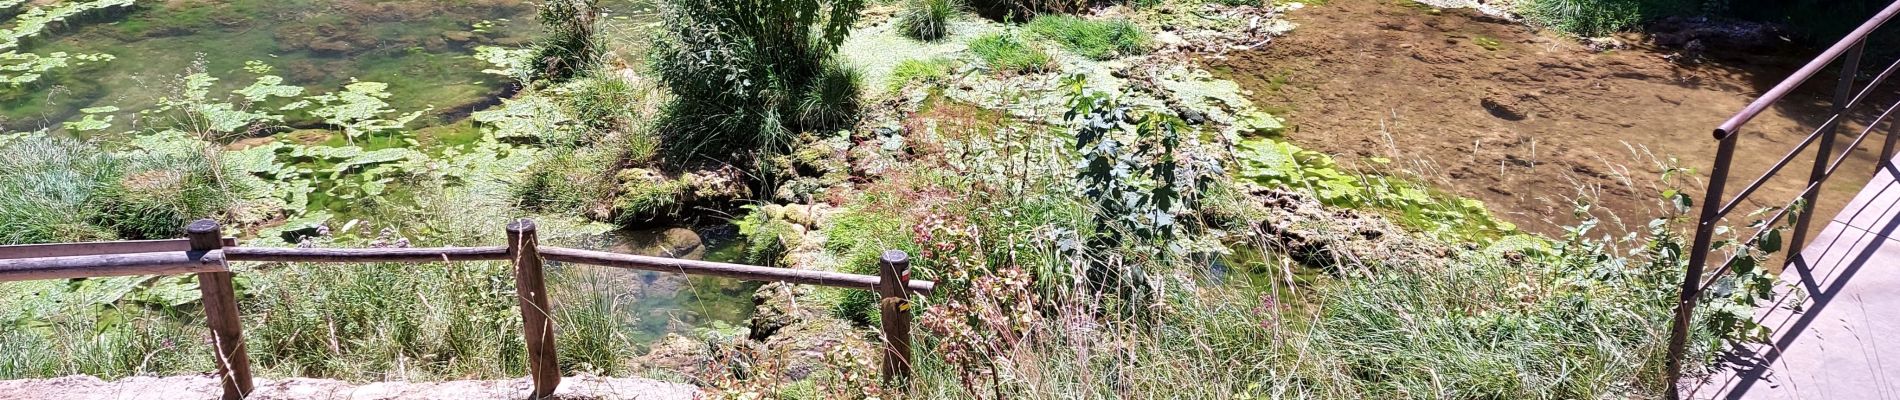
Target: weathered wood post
column 221, row 312
column 894, row 312
column 531, row 290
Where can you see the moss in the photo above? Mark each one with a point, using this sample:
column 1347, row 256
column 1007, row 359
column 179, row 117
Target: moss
column 646, row 195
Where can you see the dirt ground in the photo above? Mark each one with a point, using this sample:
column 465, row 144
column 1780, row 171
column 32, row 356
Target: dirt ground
column 1527, row 121
column 576, row 387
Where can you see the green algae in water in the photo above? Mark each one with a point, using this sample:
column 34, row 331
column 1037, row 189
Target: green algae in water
column 422, row 48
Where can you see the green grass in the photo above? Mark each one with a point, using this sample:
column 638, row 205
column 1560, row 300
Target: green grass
column 929, row 71
column 1098, row 40
column 1004, row 52
column 1604, row 17
column 45, row 186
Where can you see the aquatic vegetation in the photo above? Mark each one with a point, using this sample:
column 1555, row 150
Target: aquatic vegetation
column 360, row 109
column 1276, row 163
column 17, row 68
column 36, row 19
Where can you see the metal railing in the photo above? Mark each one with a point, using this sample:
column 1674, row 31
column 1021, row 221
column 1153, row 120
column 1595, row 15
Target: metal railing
column 1716, row 205
column 206, row 253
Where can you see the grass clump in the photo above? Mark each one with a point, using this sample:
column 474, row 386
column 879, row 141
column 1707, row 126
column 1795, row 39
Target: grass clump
column 929, row 71
column 927, row 20
column 1098, row 40
column 55, row 189
column 1004, row 52
column 833, row 98
column 46, row 184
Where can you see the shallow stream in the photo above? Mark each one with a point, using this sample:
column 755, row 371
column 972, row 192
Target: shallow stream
column 424, row 50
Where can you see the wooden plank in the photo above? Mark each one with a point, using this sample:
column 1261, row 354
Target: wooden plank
column 166, row 263
column 405, row 255
column 735, row 271
column 537, row 326
column 97, row 248
column 221, row 314
column 894, row 316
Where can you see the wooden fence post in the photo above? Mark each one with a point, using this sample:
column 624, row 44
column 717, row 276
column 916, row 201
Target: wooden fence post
column 532, row 291
column 221, row 312
column 894, row 312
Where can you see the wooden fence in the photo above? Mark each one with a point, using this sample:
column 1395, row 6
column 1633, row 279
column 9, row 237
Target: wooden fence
column 206, row 252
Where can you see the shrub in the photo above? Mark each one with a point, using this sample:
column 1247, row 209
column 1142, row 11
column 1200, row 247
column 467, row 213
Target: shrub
column 740, row 70
column 927, row 20
column 568, row 46
column 1004, row 52
column 1093, row 39
column 1586, row 17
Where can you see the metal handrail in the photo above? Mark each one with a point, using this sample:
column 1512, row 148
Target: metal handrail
column 1852, row 40
column 1716, row 206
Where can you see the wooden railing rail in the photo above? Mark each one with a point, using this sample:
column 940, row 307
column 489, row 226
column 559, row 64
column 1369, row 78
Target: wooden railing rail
column 97, row 248
column 205, row 253
column 396, row 255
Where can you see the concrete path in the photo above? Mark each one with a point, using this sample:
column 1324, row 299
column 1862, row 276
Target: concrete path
column 1844, row 341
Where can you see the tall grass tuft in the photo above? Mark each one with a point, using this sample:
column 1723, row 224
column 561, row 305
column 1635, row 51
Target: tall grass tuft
column 927, row 20
column 46, row 184
column 376, row 322
column 157, row 197
column 832, row 101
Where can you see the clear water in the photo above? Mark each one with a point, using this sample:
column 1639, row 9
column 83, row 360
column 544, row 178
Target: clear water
column 422, row 48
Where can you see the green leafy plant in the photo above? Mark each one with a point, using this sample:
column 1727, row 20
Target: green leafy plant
column 1099, row 40
column 1004, row 52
